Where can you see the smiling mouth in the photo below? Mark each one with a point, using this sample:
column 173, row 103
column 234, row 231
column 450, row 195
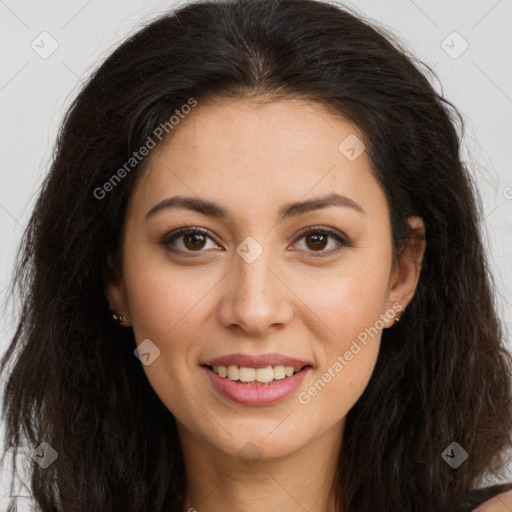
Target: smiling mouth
column 256, row 376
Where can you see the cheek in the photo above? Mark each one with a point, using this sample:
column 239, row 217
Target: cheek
column 169, row 309
column 348, row 350
column 350, row 304
column 340, row 384
column 165, row 300
column 348, row 299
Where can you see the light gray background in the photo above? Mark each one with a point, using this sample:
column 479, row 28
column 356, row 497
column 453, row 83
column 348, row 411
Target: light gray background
column 36, row 91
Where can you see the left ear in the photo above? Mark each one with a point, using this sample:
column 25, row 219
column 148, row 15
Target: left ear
column 407, row 270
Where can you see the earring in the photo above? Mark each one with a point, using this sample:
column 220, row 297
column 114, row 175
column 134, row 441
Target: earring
column 397, row 319
column 121, row 319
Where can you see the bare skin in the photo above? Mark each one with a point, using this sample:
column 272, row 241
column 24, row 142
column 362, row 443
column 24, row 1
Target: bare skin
column 500, row 503
column 204, row 300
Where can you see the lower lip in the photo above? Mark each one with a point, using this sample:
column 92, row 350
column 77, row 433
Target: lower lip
column 257, row 394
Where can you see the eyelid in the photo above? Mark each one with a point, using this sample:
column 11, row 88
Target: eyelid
column 173, row 235
column 341, row 238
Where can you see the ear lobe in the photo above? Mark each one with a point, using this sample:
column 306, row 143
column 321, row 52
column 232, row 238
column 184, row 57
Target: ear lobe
column 407, row 273
column 116, row 295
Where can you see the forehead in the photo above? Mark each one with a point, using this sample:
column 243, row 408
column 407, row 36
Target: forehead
column 260, row 153
column 252, row 130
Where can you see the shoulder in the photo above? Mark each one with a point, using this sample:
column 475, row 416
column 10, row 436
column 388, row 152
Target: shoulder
column 499, row 503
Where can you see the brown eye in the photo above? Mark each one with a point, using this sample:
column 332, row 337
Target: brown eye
column 317, row 239
column 194, row 241
column 187, row 240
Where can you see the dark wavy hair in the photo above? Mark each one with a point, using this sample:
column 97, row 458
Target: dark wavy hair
column 442, row 374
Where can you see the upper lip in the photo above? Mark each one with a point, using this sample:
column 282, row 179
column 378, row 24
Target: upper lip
column 257, row 361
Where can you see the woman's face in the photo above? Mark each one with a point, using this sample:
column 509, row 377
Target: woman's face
column 256, row 291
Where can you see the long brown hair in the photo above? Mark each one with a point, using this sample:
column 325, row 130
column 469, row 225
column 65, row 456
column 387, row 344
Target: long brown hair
column 443, row 374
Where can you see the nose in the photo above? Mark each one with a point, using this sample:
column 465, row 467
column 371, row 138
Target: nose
column 256, row 298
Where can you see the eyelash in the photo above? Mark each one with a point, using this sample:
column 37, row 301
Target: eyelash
column 343, row 242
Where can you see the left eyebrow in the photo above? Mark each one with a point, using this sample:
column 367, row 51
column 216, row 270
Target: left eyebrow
column 211, row 209
column 298, row 208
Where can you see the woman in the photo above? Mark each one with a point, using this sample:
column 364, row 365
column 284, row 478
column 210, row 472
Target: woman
column 254, row 280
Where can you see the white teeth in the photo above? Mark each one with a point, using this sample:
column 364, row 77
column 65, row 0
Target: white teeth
column 247, row 374
column 262, row 375
column 233, row 372
column 279, row 372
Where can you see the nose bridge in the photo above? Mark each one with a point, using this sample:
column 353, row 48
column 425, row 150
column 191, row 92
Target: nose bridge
column 254, row 279
column 256, row 297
